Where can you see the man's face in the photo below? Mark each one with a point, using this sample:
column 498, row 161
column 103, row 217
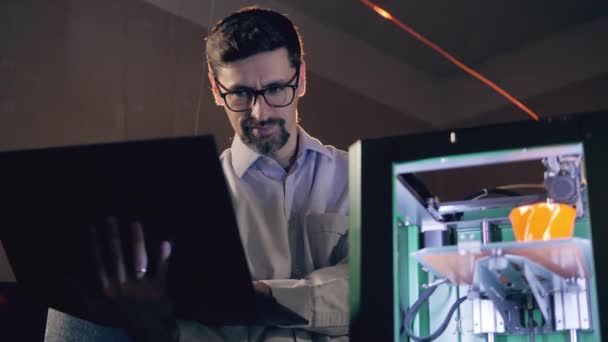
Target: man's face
column 264, row 128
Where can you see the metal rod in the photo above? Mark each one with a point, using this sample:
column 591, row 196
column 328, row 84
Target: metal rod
column 485, row 232
column 488, row 203
column 485, row 238
column 573, row 335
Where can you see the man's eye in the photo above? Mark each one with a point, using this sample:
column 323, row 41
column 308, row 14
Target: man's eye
column 274, row 90
column 240, row 93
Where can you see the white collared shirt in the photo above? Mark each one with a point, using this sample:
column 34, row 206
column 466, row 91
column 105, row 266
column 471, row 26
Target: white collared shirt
column 294, row 228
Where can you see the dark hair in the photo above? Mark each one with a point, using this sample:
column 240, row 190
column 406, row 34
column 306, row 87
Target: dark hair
column 250, row 31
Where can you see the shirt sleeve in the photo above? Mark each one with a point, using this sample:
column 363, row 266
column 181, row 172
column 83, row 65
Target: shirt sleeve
column 321, row 297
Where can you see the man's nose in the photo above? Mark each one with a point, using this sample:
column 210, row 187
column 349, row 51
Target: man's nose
column 260, row 110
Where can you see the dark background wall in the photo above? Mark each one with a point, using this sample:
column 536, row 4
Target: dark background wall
column 78, row 72
column 583, row 96
column 89, row 71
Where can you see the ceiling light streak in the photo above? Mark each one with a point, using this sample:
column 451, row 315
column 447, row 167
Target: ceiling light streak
column 382, row 12
column 449, row 57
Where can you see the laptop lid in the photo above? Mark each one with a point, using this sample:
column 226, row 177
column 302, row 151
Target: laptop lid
column 175, row 187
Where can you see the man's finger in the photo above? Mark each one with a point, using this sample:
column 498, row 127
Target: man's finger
column 163, row 262
column 99, row 264
column 116, row 251
column 140, row 256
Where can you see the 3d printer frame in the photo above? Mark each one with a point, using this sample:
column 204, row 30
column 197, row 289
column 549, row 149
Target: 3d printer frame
column 373, row 224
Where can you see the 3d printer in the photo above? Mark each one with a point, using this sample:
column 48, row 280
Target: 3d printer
column 514, row 258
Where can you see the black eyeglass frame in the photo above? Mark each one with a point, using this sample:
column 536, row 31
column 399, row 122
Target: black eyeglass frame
column 256, row 93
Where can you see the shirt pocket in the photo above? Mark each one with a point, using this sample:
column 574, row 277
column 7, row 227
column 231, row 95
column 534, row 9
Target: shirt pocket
column 327, row 238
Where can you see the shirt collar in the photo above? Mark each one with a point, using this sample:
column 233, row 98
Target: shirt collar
column 243, row 157
column 309, row 143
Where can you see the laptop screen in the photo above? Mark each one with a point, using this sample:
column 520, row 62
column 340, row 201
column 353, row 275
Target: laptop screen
column 174, row 187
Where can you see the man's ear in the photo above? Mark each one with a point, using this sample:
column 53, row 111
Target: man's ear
column 215, row 90
column 302, row 81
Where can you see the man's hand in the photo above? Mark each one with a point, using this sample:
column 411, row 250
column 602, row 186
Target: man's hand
column 136, row 298
column 262, row 289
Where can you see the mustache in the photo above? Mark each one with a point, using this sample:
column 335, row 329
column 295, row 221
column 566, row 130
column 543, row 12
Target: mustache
column 253, row 123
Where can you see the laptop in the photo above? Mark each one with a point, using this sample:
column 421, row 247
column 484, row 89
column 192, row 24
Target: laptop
column 49, row 199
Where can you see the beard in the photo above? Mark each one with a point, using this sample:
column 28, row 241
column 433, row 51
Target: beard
column 265, row 145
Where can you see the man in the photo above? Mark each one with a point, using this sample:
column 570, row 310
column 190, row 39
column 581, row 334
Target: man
column 289, row 191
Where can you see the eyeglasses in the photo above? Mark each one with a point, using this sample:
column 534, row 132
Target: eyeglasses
column 243, row 99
